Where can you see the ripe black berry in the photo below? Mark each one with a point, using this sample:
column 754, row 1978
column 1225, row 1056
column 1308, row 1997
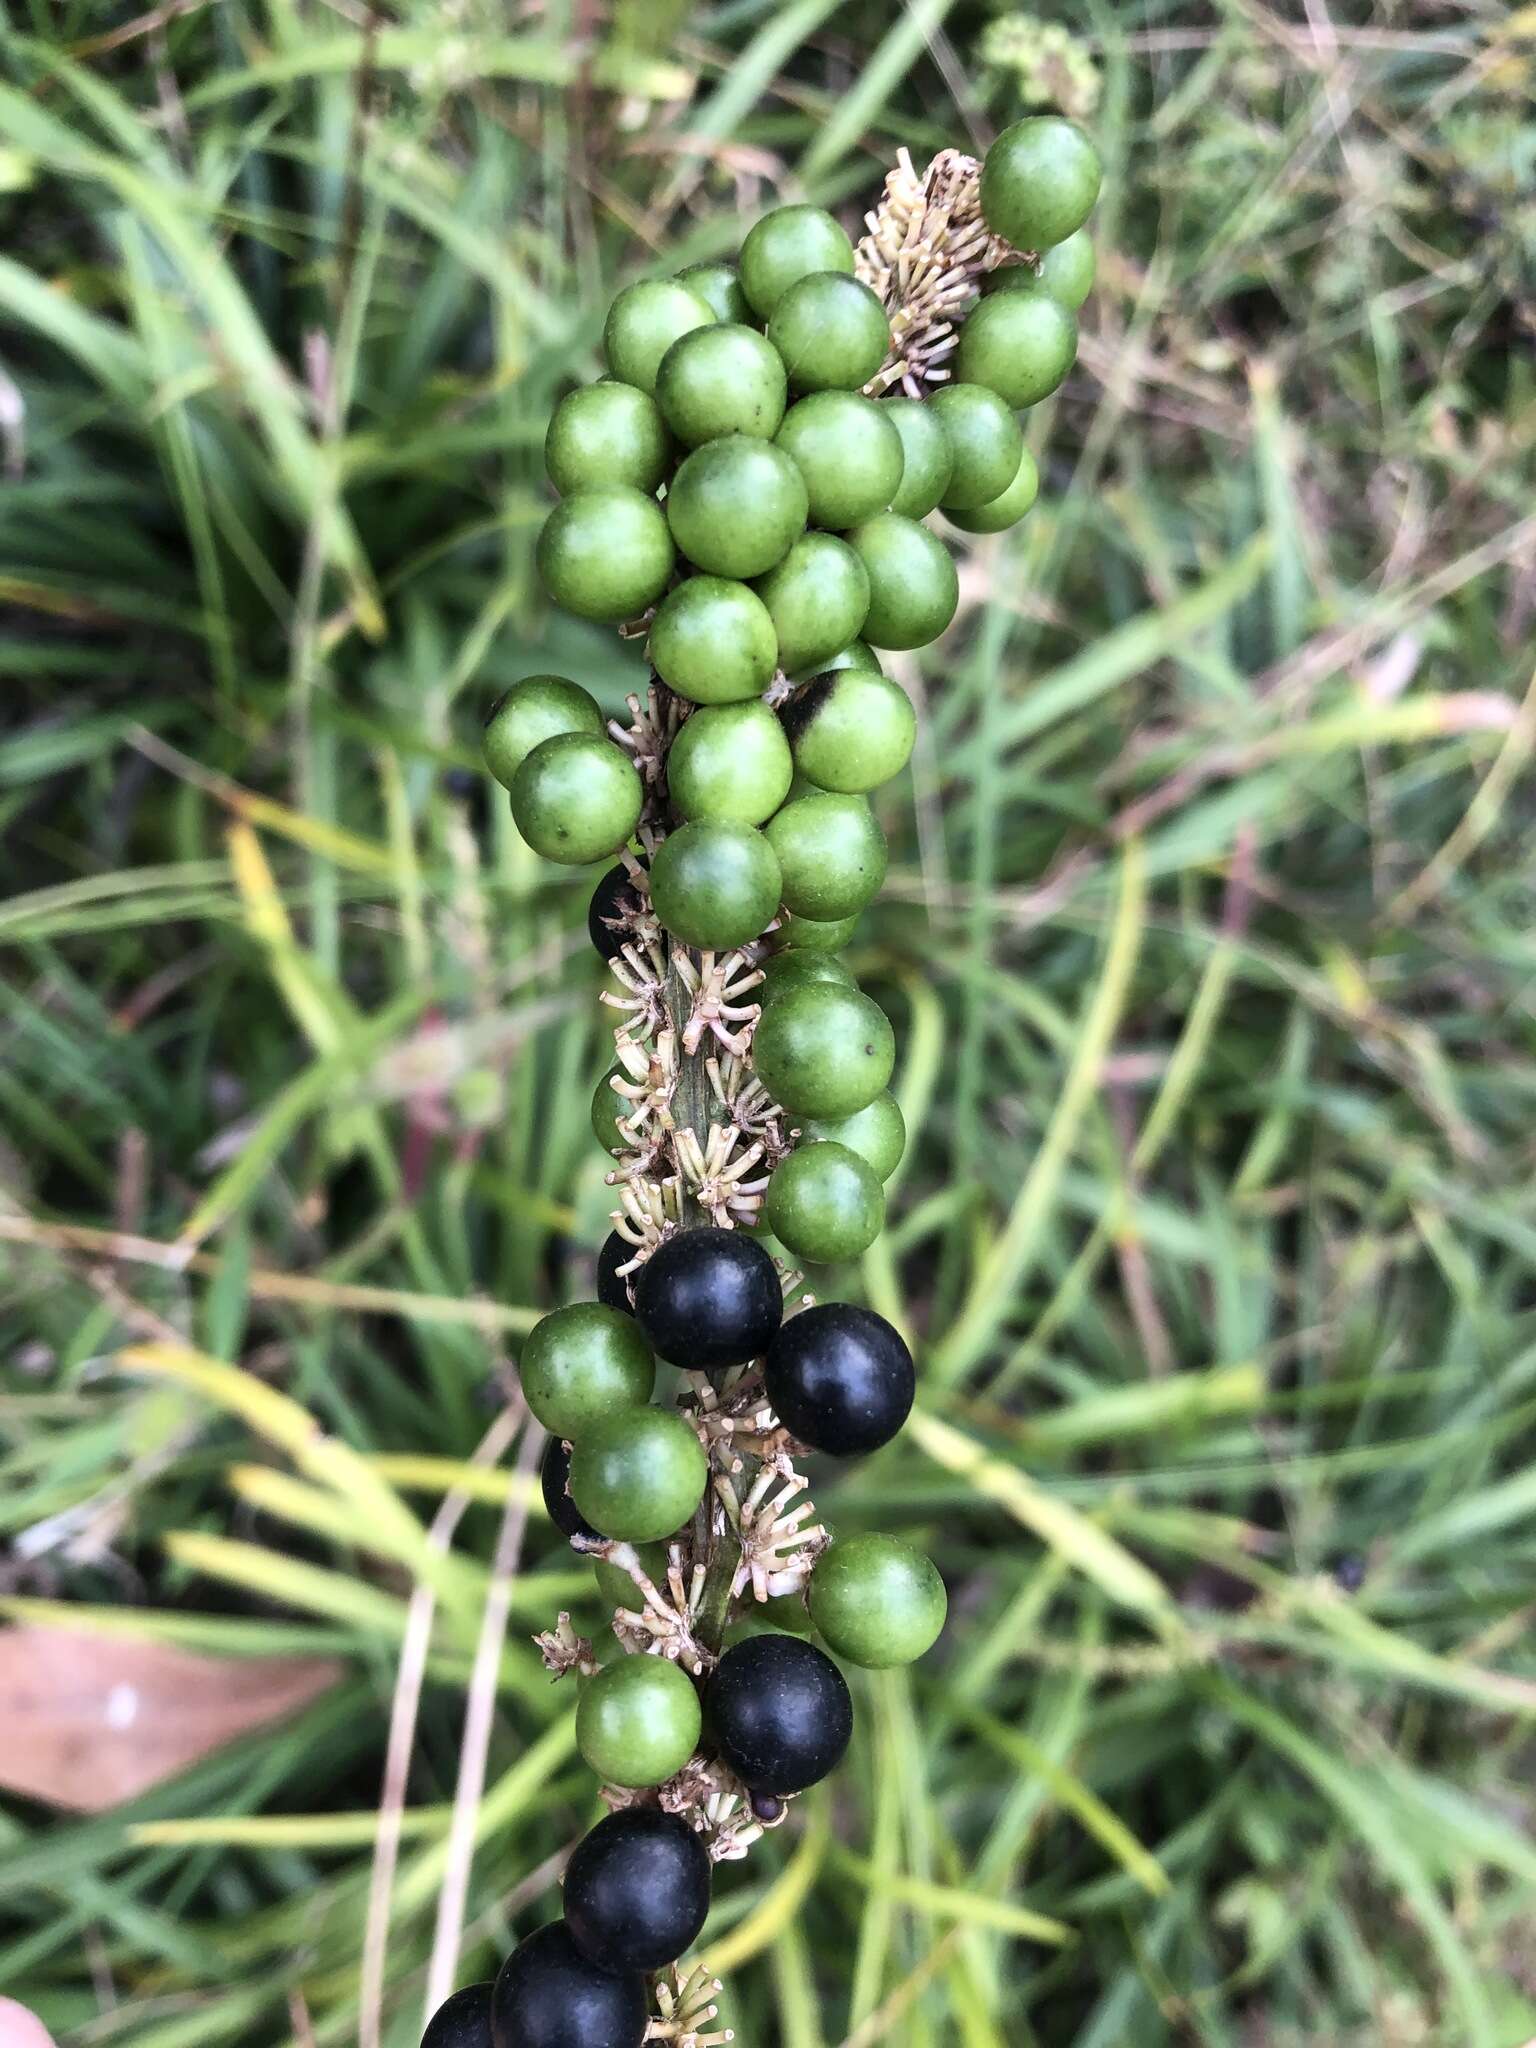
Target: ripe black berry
column 708, row 1299
column 637, row 1889
column 612, row 1288
column 554, row 1473
column 779, row 1713
column 614, row 897
column 549, row 1996
column 840, row 1378
column 463, row 2021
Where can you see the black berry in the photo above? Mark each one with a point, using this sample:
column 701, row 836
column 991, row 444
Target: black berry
column 549, row 1996
column 840, row 1378
column 778, row 1711
column 615, row 897
column 708, row 1299
column 612, row 1287
column 554, row 1474
column 637, row 1889
column 463, row 2021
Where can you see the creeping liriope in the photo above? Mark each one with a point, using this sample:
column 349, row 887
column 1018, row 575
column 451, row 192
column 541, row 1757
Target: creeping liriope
column 747, row 490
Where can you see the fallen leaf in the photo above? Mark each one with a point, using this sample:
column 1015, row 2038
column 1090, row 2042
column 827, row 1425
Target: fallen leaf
column 90, row 1721
column 20, row 2028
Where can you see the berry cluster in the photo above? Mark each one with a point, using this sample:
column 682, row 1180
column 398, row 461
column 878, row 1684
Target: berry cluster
column 747, row 488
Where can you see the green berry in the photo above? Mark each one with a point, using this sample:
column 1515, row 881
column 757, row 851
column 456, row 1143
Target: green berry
column 730, row 761
column 713, row 642
column 984, row 438
column 643, row 322
column 781, row 971
column 607, row 1107
column 583, row 1363
column 831, row 331
column 721, row 380
column 607, row 433
column 786, row 245
column 639, row 1474
column 926, row 458
column 638, row 1721
column 736, row 506
column 577, row 797
column 849, row 452
column 877, row 1601
column 1065, row 271
column 720, row 288
column 606, row 554
column 715, row 884
column 1006, row 510
column 822, row 1050
column 857, row 654
column 817, row 598
column 617, row 1589
column 534, row 710
column 878, row 1132
column 815, row 935
column 1039, row 182
column 913, row 586
column 825, row 1203
column 1018, row 344
column 850, row 729
column 831, row 854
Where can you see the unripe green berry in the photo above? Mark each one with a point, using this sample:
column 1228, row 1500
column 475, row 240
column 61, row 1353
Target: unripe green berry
column 1006, row 510
column 817, row 598
column 721, row 380
column 831, row 853
column 607, row 433
column 638, row 1474
column 718, row 285
column 984, row 438
column 638, row 1721
column 927, row 462
column 606, row 553
column 643, row 322
column 848, row 450
column 736, row 506
column 822, row 1050
column 786, row 245
column 878, row 1132
column 825, row 1203
column 913, row 585
column 583, row 1363
column 576, row 798
column 781, row 971
column 607, row 1107
column 857, row 654
column 831, row 331
column 1018, row 344
column 1039, row 182
column 715, row 884
column 615, row 1587
column 1066, row 271
column 877, row 1600
column 730, row 761
column 850, row 729
column 713, row 642
column 814, row 935
column 534, row 710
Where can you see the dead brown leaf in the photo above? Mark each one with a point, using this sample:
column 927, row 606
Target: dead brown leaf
column 90, row 1721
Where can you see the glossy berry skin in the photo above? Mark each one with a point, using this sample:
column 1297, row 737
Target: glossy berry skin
column 781, row 971
column 822, row 1050
column 1018, row 344
column 643, row 322
column 713, row 642
column 612, row 1285
column 840, row 1379
column 778, row 1711
column 877, row 1132
column 614, row 897
column 638, row 1720
column 715, row 883
column 554, row 1472
column 831, row 853
column 849, row 452
column 1039, row 182
column 637, row 1889
column 709, row 1299
column 786, row 245
column 718, row 285
column 926, row 458
column 576, row 798
column 730, row 761
column 877, row 1601
column 850, row 729
column 463, row 2021
column 582, row 1363
column 815, row 935
column 1066, row 271
column 607, row 433
column 548, row 1995
column 825, row 1203
column 721, row 380
column 606, row 553
column 913, row 586
column 736, row 506
column 817, row 598
column 615, row 1586
column 1007, row 510
column 985, row 440
column 831, row 331
column 638, row 1474
column 607, row 1107
column 536, row 709
column 857, row 654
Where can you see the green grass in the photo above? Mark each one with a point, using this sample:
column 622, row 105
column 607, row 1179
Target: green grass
column 1208, row 942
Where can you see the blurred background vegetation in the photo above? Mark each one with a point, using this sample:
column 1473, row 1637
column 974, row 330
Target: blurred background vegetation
column 1208, row 942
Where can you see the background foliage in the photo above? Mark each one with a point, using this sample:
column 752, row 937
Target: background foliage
column 1208, row 943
